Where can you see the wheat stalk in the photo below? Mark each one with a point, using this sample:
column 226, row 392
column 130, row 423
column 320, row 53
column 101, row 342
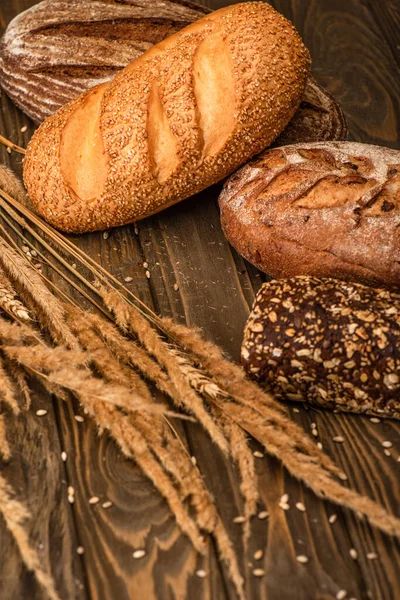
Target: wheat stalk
column 193, row 373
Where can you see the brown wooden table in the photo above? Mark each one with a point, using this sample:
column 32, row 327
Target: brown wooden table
column 355, row 46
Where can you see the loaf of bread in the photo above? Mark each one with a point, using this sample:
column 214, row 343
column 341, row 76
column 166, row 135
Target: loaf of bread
column 327, row 209
column 55, row 51
column 327, row 342
column 318, row 119
column 178, row 119
column 58, row 49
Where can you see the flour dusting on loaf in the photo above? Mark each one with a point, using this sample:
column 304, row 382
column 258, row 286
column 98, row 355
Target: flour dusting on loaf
column 106, row 160
column 326, row 209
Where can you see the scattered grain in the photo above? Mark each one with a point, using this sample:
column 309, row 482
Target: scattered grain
column 94, row 500
column 338, row 439
column 387, row 444
column 128, row 279
column 24, row 128
column 41, row 412
column 139, row 553
column 64, row 456
column 78, row 418
column 201, row 573
column 71, row 490
column 263, row 515
column 341, row 595
column 300, row 506
column 194, row 460
column 176, row 287
column 239, row 520
column 372, row 556
column 302, row 559
column 106, row 235
column 258, row 554
column 148, row 274
column 80, row 550
column 107, row 504
column 332, row 519
column 258, row 572
column 375, row 420
column 353, row 553
column 258, row 454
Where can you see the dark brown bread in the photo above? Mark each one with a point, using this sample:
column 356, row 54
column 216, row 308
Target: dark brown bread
column 318, row 119
column 329, row 209
column 327, row 342
column 57, row 49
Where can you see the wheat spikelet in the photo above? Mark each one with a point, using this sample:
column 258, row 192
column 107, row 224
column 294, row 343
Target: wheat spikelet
column 243, row 456
column 9, row 301
column 129, row 319
column 15, row 514
column 29, row 283
column 10, row 183
column 7, row 389
column 5, row 452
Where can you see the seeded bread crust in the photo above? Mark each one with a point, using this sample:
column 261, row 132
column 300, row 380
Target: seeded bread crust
column 325, row 209
column 330, row 343
column 180, row 118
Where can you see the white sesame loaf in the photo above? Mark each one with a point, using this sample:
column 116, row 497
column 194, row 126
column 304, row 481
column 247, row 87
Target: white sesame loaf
column 331, row 343
column 326, row 209
column 178, row 119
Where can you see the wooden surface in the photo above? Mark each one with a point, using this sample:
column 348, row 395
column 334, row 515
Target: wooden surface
column 355, row 51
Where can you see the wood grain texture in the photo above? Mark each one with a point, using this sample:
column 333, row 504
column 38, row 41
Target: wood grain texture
column 185, row 245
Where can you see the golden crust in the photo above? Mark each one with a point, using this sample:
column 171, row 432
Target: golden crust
column 269, row 69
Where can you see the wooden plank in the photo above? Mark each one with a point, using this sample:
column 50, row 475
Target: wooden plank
column 38, row 477
column 387, row 15
column 215, row 290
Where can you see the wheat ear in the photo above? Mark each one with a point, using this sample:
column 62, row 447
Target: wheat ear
column 5, row 452
column 305, row 469
column 129, row 319
column 15, row 514
column 30, row 284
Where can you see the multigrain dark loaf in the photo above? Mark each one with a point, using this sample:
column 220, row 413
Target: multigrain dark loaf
column 58, row 49
column 328, row 209
column 318, row 119
column 327, row 342
column 176, row 120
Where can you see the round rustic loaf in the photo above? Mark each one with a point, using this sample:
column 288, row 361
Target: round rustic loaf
column 326, row 209
column 178, row 119
column 318, row 119
column 331, row 343
column 57, row 49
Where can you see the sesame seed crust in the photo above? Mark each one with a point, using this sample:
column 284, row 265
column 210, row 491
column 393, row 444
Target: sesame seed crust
column 154, row 143
column 332, row 344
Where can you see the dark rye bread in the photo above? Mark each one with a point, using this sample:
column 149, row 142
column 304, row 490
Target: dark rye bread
column 318, row 119
column 326, row 342
column 327, row 209
column 57, row 49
